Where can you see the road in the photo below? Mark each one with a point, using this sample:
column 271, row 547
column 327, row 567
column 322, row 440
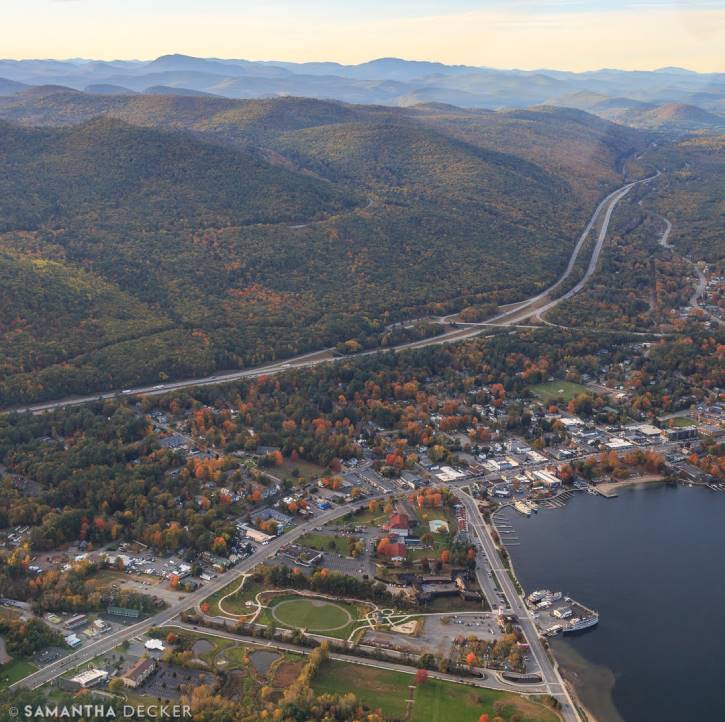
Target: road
column 107, row 643
column 699, row 290
column 549, row 672
column 490, row 681
column 512, row 316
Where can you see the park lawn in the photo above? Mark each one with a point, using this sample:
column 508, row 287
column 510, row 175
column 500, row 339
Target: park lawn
column 435, row 700
column 235, row 657
column 14, row 671
column 680, row 421
column 235, row 604
column 307, row 471
column 555, row 390
column 316, row 620
column 321, row 542
column 373, row 518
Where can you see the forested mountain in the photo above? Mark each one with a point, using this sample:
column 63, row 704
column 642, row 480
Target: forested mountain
column 177, row 235
column 388, row 81
column 666, row 117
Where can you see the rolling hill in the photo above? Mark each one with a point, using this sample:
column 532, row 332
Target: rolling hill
column 208, row 233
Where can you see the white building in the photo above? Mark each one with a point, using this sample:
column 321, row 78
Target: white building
column 90, row 678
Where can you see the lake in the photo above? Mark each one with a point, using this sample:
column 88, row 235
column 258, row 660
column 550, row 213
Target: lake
column 652, row 562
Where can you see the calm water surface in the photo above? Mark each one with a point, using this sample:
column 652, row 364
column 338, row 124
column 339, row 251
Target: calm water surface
column 652, row 561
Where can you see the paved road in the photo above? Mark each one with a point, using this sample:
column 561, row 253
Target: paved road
column 110, row 641
column 490, row 681
column 516, row 605
column 610, row 203
column 513, row 314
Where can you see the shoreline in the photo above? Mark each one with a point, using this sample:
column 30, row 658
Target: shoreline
column 612, row 486
column 591, row 685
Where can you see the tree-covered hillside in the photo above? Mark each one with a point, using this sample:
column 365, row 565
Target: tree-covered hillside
column 180, row 235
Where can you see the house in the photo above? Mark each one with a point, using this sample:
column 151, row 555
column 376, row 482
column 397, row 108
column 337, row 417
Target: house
column 139, row 672
column 398, row 524
column 396, row 552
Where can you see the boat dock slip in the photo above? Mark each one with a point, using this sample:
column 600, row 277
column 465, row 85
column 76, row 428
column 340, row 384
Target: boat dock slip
column 600, row 492
column 557, row 614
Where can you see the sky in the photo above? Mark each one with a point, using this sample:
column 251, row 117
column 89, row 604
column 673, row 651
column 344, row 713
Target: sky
column 562, row 34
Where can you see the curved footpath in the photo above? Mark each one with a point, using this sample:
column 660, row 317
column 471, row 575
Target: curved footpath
column 511, row 317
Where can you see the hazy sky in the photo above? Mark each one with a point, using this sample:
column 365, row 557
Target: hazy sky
column 566, row 34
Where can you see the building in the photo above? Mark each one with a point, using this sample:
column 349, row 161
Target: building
column 90, row 678
column 76, row 621
column 124, row 612
column 398, row 524
column 396, row 552
column 545, row 478
column 447, row 473
column 681, row 433
column 139, row 672
column 73, row 640
column 259, row 537
column 155, row 645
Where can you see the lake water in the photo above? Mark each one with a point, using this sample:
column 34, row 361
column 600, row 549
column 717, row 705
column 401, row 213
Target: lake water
column 652, row 562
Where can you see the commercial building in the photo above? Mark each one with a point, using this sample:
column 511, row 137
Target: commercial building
column 90, row 678
column 139, row 672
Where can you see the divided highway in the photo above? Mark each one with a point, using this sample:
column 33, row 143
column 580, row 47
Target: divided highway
column 516, row 313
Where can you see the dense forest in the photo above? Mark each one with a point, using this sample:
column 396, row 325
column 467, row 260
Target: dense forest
column 177, row 236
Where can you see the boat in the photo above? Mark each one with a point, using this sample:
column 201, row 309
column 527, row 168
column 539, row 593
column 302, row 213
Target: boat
column 579, row 624
column 522, row 507
column 537, row 596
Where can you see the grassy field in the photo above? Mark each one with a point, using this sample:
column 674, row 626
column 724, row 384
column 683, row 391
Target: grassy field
column 680, row 421
column 555, row 390
column 364, row 517
column 310, row 614
column 235, row 604
column 322, row 542
column 298, row 471
column 333, row 619
column 15, row 670
column 435, row 700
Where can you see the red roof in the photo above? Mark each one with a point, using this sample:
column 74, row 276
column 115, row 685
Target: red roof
column 398, row 521
column 396, row 549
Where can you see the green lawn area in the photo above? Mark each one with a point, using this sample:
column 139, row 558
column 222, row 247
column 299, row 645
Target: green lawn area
column 321, row 542
column 333, row 619
column 435, row 700
column 555, row 390
column 306, row 471
column 235, row 657
column 680, row 421
column 235, row 603
column 15, row 670
column 364, row 517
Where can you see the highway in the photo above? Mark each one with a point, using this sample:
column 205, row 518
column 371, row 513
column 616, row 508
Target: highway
column 105, row 644
column 512, row 316
column 549, row 672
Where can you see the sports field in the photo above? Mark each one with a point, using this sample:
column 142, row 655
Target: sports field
column 315, row 615
column 555, row 390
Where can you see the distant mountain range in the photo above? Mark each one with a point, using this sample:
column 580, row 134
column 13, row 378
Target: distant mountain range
column 666, row 99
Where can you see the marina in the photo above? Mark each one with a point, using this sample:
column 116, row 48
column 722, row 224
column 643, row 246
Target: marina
column 556, row 614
